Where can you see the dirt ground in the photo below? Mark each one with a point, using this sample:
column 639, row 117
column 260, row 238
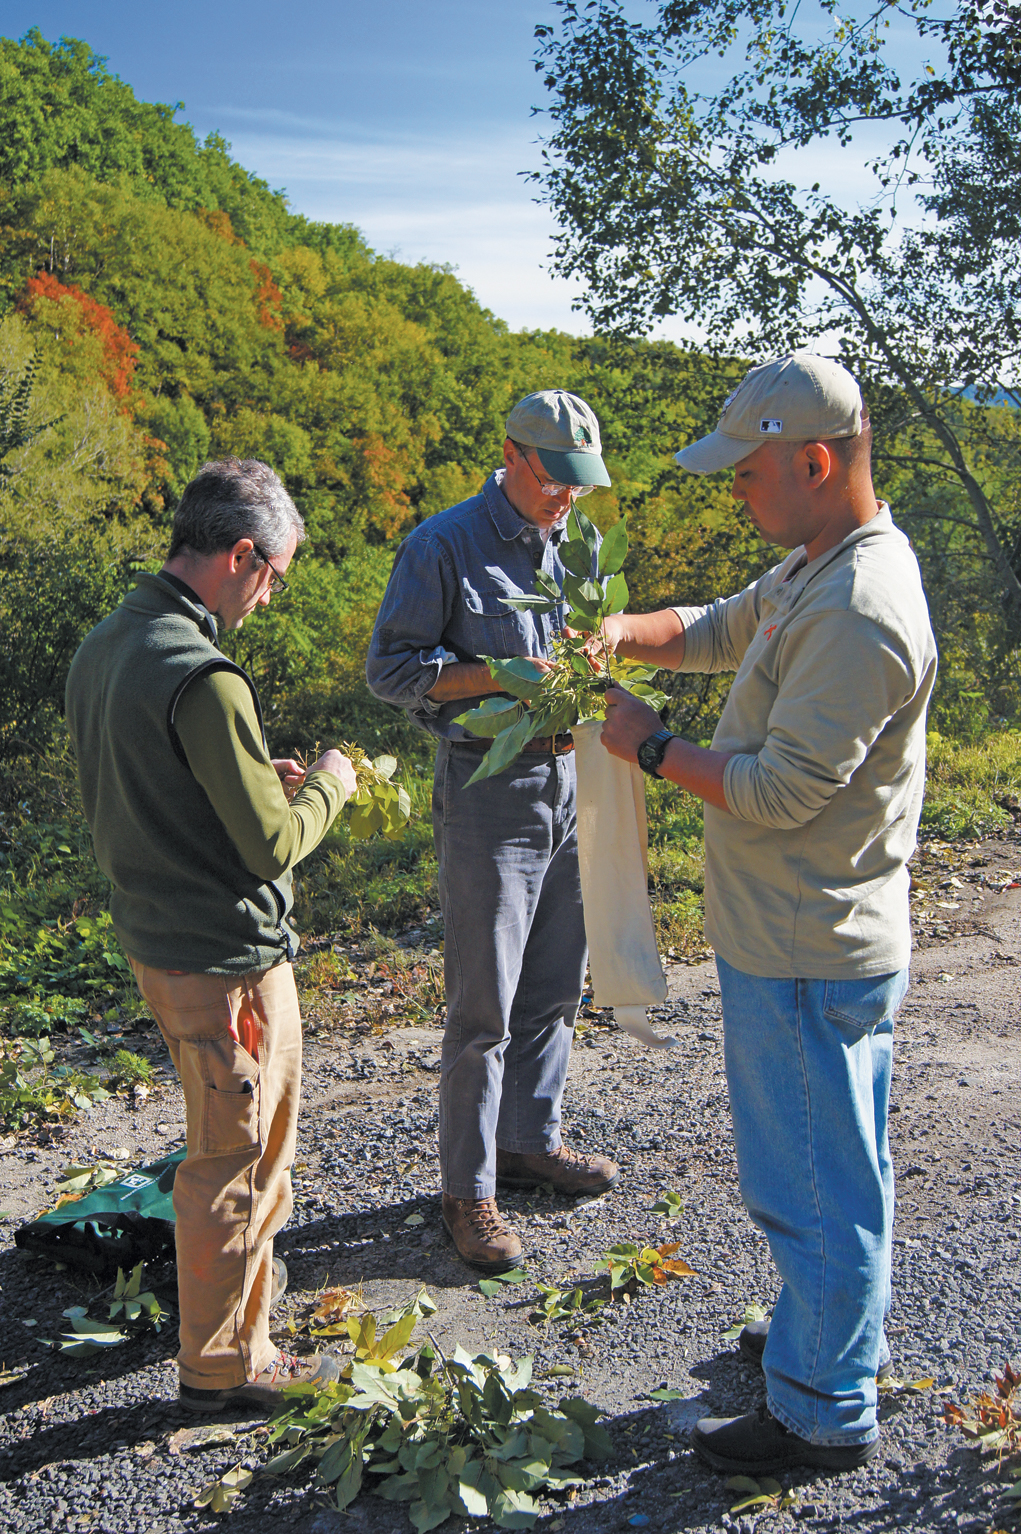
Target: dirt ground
column 366, row 1212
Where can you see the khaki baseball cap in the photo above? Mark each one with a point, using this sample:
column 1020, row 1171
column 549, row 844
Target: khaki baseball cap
column 565, row 434
column 799, row 398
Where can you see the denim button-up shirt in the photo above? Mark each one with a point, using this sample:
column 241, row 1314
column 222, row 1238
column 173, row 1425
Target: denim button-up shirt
column 443, row 603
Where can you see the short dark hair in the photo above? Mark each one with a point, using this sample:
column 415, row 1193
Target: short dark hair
column 230, row 499
column 855, row 452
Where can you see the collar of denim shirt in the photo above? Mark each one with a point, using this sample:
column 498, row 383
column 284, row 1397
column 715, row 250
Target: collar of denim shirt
column 508, row 522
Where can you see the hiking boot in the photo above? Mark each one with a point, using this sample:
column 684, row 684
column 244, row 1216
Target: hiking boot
column 752, row 1343
column 264, row 1390
column 566, row 1170
column 757, row 1444
column 279, row 1282
column 480, row 1233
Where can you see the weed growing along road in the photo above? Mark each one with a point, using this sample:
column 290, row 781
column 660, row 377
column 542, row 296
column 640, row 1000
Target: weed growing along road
column 88, row 1443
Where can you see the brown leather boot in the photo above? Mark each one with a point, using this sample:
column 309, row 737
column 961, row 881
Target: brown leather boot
column 482, row 1237
column 567, row 1170
column 266, row 1390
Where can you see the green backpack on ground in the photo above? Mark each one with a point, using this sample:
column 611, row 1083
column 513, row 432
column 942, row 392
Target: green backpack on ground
column 119, row 1225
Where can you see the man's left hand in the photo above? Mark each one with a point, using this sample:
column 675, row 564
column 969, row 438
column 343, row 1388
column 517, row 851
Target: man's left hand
column 291, row 775
column 629, row 721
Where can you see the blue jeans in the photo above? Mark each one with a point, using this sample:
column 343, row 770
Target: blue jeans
column 513, row 960
column 808, row 1069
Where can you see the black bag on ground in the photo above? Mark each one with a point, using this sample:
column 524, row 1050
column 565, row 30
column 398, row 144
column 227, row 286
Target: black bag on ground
column 117, row 1226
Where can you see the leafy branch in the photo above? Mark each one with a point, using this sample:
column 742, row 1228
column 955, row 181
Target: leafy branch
column 534, row 702
column 379, row 804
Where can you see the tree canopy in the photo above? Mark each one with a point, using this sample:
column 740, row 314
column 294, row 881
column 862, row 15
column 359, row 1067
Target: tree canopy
column 678, row 200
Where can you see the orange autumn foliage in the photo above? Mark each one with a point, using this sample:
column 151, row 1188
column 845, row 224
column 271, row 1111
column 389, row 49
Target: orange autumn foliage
column 268, row 296
column 120, row 352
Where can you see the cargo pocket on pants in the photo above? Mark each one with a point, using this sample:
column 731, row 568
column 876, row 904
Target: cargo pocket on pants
column 231, row 1099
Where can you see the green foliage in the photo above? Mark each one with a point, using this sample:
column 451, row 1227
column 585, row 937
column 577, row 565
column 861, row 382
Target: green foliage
column 33, row 1089
column 966, row 784
column 630, row 1265
column 460, row 1435
column 558, row 1304
column 129, row 1070
column 550, row 702
column 131, row 1312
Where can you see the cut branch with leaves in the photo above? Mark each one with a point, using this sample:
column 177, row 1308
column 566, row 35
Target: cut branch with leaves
column 551, row 702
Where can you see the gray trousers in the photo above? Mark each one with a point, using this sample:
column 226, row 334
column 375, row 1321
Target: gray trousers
column 514, row 958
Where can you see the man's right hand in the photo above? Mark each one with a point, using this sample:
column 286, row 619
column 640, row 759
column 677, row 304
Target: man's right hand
column 334, row 761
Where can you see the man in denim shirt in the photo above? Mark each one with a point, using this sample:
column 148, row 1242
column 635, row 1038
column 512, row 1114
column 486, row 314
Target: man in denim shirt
column 514, row 952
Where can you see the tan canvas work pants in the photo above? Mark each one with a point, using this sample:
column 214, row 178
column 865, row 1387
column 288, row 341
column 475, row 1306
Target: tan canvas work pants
column 236, row 1044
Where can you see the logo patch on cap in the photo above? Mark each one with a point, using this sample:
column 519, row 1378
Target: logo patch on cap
column 771, row 426
column 582, row 434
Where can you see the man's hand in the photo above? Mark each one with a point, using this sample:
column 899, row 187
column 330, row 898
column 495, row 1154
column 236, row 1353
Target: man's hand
column 629, row 721
column 334, row 761
column 291, row 775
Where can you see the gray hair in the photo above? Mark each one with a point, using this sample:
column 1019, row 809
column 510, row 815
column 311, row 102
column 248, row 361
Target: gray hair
column 230, row 499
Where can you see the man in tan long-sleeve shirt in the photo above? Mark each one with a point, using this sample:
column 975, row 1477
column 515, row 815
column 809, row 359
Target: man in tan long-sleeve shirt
column 812, row 787
column 192, row 827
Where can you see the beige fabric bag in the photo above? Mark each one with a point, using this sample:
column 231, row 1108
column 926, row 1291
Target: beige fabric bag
column 613, row 847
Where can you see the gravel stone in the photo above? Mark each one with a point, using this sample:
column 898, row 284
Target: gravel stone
column 85, row 1445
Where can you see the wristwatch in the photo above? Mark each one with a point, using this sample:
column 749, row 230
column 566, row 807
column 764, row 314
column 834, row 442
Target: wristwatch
column 652, row 751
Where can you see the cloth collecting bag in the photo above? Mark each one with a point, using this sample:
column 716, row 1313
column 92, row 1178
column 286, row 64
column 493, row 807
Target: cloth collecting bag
column 613, row 854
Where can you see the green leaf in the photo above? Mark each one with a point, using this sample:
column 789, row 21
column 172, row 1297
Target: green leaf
column 386, row 766
column 489, row 1287
column 473, row 1499
column 743, row 1483
column 667, row 1395
column 576, row 557
column 613, row 549
column 533, row 604
column 519, row 676
column 506, row 747
column 616, row 594
column 579, row 526
column 492, row 716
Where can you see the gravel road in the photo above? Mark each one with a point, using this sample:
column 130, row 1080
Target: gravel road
column 86, row 1445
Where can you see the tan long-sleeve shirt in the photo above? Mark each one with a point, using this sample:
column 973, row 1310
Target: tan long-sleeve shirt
column 806, row 876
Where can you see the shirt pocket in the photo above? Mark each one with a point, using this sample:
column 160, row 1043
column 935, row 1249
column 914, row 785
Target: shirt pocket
column 494, row 628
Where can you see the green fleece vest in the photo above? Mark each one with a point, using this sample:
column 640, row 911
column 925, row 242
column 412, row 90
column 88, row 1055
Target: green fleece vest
column 182, row 898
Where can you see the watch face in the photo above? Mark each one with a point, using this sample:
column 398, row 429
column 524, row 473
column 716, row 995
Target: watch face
column 650, row 752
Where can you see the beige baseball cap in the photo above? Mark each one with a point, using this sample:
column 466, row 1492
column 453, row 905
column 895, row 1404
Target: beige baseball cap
column 799, row 398
column 565, row 434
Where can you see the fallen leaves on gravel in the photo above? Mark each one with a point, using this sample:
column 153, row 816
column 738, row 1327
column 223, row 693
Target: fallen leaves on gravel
column 751, row 1313
column 648, row 1265
column 762, row 1493
column 218, row 1495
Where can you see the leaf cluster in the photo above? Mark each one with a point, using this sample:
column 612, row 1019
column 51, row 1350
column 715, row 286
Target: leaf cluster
column 551, row 702
column 132, row 1309
column 460, row 1435
column 630, row 1264
column 33, row 1088
column 558, row 1304
column 991, row 1419
column 764, row 1493
column 379, row 804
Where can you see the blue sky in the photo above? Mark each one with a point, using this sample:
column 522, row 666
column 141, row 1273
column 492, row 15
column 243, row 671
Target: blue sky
column 409, row 120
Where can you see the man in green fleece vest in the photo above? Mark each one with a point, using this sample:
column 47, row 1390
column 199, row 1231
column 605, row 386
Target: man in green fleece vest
column 192, row 826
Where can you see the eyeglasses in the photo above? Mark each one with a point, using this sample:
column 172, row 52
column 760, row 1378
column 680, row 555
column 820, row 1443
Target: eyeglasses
column 550, row 487
column 277, row 582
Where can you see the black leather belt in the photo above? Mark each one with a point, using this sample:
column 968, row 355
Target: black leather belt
column 539, row 745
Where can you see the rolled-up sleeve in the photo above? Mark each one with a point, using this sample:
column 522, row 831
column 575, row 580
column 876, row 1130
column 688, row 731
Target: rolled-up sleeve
column 405, row 656
column 842, row 678
column 716, row 637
